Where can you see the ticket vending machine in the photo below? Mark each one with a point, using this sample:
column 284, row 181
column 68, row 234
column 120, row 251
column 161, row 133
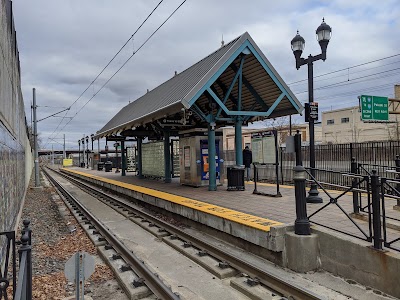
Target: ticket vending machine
column 194, row 159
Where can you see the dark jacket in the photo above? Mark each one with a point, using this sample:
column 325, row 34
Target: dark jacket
column 247, row 158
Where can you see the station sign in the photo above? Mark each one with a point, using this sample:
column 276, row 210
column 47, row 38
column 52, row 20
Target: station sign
column 115, row 138
column 374, row 108
column 256, row 135
column 311, row 111
column 172, row 121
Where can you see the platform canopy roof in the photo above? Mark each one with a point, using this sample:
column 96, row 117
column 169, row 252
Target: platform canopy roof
column 235, row 81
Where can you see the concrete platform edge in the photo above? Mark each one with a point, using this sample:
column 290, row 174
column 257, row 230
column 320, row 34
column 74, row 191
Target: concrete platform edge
column 272, row 240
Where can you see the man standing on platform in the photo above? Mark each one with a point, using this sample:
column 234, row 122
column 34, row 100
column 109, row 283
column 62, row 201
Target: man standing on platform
column 247, row 160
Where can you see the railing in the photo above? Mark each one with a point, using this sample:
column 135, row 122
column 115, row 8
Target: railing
column 5, row 276
column 369, row 184
column 261, row 174
column 379, row 156
column 24, row 285
column 357, row 182
column 396, row 193
column 21, row 288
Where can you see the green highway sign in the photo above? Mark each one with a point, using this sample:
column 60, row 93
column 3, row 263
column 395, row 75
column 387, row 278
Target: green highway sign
column 374, row 108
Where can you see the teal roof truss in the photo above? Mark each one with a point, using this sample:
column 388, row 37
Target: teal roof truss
column 239, row 80
column 234, row 83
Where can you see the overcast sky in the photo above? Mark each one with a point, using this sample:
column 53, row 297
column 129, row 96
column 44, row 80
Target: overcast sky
column 64, row 44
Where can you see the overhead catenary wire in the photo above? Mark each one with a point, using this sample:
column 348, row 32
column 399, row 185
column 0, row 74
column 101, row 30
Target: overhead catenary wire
column 126, row 61
column 108, row 64
column 347, row 82
column 345, row 69
column 356, row 72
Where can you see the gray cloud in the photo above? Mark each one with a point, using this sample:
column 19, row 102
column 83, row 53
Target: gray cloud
column 64, row 44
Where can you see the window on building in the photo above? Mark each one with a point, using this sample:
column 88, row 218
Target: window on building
column 345, row 120
column 330, row 122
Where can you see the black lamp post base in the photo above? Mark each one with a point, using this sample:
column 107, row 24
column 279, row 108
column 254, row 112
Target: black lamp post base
column 116, row 171
column 313, row 195
column 302, row 227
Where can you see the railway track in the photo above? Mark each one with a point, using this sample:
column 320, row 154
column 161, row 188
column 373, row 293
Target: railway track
column 256, row 276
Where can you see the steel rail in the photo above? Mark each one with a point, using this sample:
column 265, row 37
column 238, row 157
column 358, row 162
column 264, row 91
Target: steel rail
column 268, row 279
column 154, row 283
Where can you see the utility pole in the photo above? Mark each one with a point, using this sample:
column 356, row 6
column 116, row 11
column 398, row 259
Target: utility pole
column 64, row 153
column 35, row 143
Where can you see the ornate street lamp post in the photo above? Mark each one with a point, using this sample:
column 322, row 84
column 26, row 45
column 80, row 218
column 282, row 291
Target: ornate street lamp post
column 92, row 137
column 116, row 145
column 87, row 152
column 79, row 153
column 323, row 32
column 83, row 151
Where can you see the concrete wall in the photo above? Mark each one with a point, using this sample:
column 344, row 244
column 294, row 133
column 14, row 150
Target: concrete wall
column 359, row 261
column 344, row 256
column 15, row 152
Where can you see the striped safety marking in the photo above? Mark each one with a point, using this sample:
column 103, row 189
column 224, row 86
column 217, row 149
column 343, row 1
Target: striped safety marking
column 226, row 213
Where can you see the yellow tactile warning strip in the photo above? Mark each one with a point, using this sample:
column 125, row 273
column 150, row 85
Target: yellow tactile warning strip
column 226, row 213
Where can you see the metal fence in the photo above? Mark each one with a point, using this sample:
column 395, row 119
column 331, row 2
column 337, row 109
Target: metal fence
column 332, row 160
column 18, row 286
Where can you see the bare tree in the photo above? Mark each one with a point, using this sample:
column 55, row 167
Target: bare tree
column 281, row 125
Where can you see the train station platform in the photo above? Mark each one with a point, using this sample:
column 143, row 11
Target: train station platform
column 267, row 223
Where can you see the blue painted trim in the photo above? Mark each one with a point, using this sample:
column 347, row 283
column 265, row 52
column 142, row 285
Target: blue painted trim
column 248, row 113
column 240, row 83
column 225, row 119
column 224, row 66
column 245, row 113
column 238, row 141
column 272, row 75
column 228, row 92
column 199, row 112
column 212, row 172
column 277, row 101
column 224, row 90
column 215, row 97
column 251, row 89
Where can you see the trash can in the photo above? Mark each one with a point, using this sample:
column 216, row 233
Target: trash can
column 82, row 164
column 235, row 176
column 108, row 166
column 100, row 166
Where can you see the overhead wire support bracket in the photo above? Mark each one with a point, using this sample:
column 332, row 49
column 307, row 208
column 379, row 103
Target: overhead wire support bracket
column 52, row 115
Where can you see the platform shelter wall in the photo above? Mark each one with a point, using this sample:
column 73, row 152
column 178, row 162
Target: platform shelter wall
column 153, row 159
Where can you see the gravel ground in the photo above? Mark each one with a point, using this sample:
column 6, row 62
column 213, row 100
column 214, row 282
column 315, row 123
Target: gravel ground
column 53, row 245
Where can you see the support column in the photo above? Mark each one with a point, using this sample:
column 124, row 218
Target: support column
column 313, row 194
column 35, row 141
column 238, row 141
column 167, row 158
column 79, row 153
column 123, row 163
column 139, row 157
column 212, row 181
